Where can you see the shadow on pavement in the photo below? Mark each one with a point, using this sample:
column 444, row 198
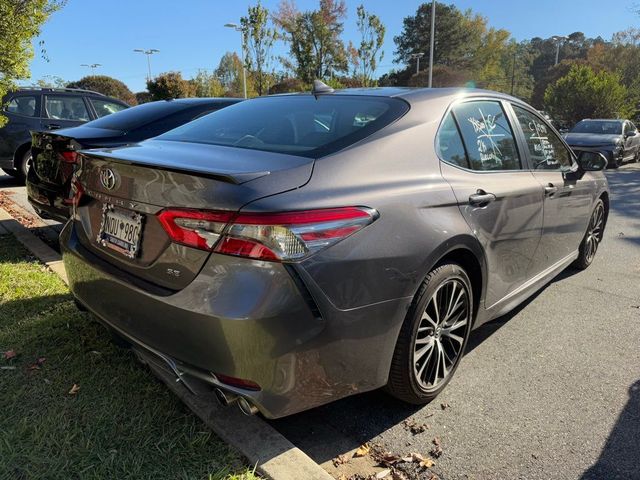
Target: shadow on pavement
column 620, row 457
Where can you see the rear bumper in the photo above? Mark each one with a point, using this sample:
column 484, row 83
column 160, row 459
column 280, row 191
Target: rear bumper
column 246, row 319
column 47, row 201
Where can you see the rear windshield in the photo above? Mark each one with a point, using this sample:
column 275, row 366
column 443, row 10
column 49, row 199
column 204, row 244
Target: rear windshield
column 136, row 116
column 294, row 124
column 598, row 126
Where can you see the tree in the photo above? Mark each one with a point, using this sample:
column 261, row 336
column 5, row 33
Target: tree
column 366, row 57
column 317, row 52
column 51, row 81
column 170, row 85
column 20, row 22
column 107, row 86
column 229, row 73
column 457, row 35
column 143, row 97
column 583, row 93
column 207, row 85
column 258, row 39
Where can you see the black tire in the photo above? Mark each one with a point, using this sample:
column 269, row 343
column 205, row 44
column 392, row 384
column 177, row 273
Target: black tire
column 25, row 164
column 405, row 380
column 592, row 237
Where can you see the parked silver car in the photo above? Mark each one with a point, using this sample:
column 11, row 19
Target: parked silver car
column 292, row 250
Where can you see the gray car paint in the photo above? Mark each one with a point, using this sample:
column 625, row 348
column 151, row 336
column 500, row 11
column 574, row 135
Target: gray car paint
column 326, row 327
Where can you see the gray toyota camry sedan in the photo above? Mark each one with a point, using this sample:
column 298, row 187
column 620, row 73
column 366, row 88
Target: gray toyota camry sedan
column 291, row 250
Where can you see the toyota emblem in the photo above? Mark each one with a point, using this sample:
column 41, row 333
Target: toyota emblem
column 108, row 178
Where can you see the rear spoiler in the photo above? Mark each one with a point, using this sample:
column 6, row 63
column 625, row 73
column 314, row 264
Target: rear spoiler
column 214, row 173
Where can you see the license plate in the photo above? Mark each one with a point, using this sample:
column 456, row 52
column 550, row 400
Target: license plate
column 120, row 230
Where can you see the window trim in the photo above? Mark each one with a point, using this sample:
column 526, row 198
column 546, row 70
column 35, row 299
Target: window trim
column 524, row 161
column 45, row 113
column 36, row 110
column 523, row 138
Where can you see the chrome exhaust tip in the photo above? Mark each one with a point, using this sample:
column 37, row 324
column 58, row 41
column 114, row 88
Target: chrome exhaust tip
column 225, row 398
column 246, row 407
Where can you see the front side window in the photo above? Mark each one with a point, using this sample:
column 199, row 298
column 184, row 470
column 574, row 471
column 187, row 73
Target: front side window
column 487, row 136
column 104, row 107
column 66, row 107
column 294, row 124
column 24, row 105
column 546, row 150
column 449, row 143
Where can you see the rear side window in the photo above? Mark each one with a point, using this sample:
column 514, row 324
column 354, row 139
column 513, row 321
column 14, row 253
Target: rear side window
column 135, row 117
column 450, row 147
column 295, row 124
column 66, row 107
column 105, row 107
column 24, row 105
column 169, row 122
column 546, row 150
column 487, row 136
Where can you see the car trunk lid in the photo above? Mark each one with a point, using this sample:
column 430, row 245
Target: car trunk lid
column 132, row 185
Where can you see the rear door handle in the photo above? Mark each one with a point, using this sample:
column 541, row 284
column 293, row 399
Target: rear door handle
column 550, row 189
column 52, row 126
column 481, row 198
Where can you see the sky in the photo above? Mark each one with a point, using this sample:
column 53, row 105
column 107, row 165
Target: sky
column 190, row 34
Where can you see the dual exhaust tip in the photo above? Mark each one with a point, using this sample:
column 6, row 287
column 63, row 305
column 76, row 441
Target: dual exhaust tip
column 227, row 398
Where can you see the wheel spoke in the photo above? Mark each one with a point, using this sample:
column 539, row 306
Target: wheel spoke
column 440, row 335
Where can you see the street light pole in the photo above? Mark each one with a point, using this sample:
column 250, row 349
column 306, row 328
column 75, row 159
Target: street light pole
column 417, row 57
column 148, row 53
column 92, row 66
column 558, row 39
column 238, row 28
column 433, row 34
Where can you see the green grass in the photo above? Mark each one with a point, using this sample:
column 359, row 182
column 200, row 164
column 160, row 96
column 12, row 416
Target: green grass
column 123, row 423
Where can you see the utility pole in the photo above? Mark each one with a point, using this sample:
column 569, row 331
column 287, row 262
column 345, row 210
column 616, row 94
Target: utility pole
column 513, row 71
column 238, row 28
column 433, row 35
column 148, row 53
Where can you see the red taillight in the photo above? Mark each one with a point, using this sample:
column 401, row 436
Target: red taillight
column 283, row 236
column 69, row 156
column 76, row 193
column 194, row 228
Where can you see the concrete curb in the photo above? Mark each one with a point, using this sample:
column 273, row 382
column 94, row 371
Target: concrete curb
column 37, row 247
column 275, row 456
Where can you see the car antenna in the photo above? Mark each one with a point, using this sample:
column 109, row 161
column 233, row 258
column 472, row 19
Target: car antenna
column 319, row 88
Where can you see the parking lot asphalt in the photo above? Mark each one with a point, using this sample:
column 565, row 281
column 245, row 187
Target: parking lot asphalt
column 551, row 391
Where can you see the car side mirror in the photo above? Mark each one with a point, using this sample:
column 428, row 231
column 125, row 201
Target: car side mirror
column 590, row 161
column 630, row 134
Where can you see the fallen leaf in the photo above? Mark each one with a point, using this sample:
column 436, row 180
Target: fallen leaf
column 388, row 459
column 340, row 459
column 422, row 461
column 436, row 451
column 75, row 389
column 9, row 354
column 383, row 473
column 444, row 406
column 362, row 451
column 342, row 477
column 37, row 364
column 398, row 475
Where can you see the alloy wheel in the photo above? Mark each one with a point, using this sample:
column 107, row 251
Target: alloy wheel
column 441, row 334
column 594, row 233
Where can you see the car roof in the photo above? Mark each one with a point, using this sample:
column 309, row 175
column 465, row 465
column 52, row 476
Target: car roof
column 416, row 94
column 603, row 120
column 203, row 100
